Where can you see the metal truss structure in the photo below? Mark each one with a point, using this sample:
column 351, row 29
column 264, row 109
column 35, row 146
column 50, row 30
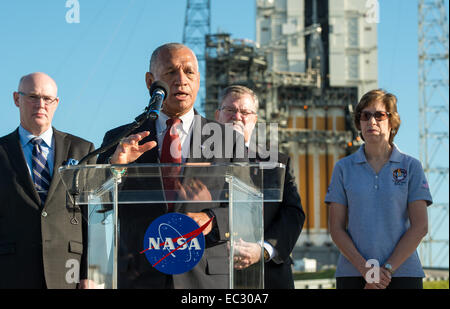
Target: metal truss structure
column 197, row 24
column 433, row 124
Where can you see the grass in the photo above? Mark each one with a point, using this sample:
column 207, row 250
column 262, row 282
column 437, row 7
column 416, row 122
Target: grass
column 443, row 284
column 324, row 274
column 329, row 273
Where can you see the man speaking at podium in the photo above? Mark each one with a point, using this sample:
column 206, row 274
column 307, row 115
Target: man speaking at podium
column 177, row 66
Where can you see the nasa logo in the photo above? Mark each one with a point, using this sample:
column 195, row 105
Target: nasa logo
column 399, row 175
column 174, row 243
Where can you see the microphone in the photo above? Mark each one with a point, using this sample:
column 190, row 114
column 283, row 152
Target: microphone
column 159, row 90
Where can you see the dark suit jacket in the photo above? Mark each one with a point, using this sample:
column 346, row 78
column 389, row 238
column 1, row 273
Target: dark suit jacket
column 283, row 223
column 134, row 270
column 35, row 243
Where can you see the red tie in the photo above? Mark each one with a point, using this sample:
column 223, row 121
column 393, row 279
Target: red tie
column 171, row 153
column 171, row 149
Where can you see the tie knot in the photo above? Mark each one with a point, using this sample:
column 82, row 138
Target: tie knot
column 173, row 121
column 36, row 141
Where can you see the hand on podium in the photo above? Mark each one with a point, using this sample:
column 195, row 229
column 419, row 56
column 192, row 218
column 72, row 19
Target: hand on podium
column 246, row 254
column 193, row 189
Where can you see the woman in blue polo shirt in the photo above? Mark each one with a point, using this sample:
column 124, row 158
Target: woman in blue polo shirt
column 378, row 200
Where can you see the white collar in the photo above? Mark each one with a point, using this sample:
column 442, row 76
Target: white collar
column 186, row 119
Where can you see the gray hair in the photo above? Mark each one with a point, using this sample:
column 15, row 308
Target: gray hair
column 238, row 90
column 157, row 52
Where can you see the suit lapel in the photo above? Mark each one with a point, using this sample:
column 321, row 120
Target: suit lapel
column 17, row 159
column 62, row 145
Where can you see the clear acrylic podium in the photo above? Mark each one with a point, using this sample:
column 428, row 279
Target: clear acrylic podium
column 122, row 200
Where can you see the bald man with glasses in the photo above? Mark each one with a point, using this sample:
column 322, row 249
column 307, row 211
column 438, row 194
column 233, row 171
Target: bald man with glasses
column 40, row 232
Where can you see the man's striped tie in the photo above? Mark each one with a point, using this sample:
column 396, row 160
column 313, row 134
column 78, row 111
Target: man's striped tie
column 41, row 172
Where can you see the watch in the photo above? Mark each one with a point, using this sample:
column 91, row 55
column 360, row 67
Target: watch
column 389, row 268
column 266, row 255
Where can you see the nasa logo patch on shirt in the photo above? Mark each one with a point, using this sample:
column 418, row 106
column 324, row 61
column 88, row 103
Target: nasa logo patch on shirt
column 399, row 176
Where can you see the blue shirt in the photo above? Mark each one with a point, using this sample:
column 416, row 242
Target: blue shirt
column 377, row 206
column 48, row 147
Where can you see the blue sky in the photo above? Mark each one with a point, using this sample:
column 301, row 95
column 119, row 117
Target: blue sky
column 99, row 64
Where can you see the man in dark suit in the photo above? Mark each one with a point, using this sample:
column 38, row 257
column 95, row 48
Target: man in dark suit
column 42, row 237
column 177, row 66
column 283, row 221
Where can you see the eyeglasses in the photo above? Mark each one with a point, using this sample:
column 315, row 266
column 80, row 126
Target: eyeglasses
column 379, row 116
column 231, row 110
column 34, row 98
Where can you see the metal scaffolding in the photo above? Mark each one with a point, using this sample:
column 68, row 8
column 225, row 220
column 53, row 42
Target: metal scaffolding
column 197, row 24
column 433, row 124
column 232, row 61
column 229, row 62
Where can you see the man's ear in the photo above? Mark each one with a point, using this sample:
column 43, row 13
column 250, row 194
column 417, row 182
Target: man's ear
column 16, row 98
column 216, row 115
column 149, row 79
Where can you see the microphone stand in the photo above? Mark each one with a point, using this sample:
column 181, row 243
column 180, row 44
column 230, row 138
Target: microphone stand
column 138, row 121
